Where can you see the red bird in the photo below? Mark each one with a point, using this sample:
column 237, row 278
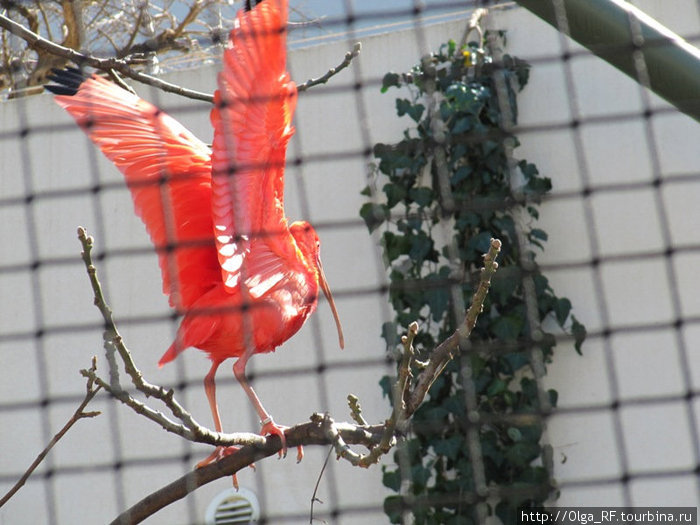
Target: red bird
column 244, row 278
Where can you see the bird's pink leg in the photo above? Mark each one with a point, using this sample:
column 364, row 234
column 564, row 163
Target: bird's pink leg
column 268, row 425
column 210, row 390
column 220, row 451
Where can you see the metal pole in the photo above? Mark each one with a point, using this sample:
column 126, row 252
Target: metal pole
column 633, row 42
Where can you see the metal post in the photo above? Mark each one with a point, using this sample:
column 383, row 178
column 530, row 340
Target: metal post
column 633, row 42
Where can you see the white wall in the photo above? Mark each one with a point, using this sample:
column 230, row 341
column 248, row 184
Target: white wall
column 635, row 293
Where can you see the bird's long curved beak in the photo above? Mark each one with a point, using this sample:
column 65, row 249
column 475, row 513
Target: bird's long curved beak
column 331, row 302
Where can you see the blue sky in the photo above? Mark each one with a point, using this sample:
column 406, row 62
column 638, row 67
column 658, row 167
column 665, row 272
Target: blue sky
column 368, row 13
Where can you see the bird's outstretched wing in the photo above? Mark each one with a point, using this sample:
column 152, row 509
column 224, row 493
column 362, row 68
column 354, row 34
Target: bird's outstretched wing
column 252, row 121
column 167, row 169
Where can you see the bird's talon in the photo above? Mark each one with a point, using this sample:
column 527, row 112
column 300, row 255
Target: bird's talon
column 220, row 453
column 273, row 429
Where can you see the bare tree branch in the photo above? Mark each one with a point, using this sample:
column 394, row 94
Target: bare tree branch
column 132, row 37
column 349, row 57
column 164, row 41
column 304, row 434
column 446, row 351
column 408, row 394
column 91, row 391
column 105, row 64
column 188, row 428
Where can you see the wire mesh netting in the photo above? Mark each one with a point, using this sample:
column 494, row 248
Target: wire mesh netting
column 623, row 245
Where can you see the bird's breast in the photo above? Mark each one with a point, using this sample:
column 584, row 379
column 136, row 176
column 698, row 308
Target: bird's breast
column 227, row 322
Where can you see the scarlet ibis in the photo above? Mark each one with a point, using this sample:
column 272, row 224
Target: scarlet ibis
column 244, row 279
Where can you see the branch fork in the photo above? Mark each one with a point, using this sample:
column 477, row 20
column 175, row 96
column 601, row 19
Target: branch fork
column 408, row 393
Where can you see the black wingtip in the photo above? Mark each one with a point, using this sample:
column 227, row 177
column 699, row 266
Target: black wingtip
column 68, row 81
column 250, row 4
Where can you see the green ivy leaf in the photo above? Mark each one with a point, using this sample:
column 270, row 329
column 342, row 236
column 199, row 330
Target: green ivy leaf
column 393, row 508
column 390, row 80
column 491, row 449
column 531, row 433
column 522, row 453
column 533, row 212
column 505, row 282
column 446, row 111
column 396, row 245
column 515, row 361
column 422, row 195
column 527, row 169
column 421, row 248
column 394, row 194
column 449, row 447
column 416, row 112
column 469, row 98
column 561, row 309
column 374, row 215
column 461, row 125
column 553, row 397
column 391, row 478
column 389, row 334
column 579, row 333
column 455, row 404
column 496, row 388
column 505, row 512
column 536, row 187
column 406, row 107
column 420, row 475
column 507, row 328
column 513, row 433
column 460, row 174
column 538, row 234
column 480, row 242
column 386, row 384
column 437, row 297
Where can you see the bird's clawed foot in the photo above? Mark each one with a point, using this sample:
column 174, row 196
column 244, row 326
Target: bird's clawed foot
column 272, row 428
column 219, row 453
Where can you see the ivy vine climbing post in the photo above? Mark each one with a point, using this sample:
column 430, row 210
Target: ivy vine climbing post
column 437, row 196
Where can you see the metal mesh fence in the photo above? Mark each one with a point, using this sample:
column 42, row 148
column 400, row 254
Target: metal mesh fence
column 623, row 245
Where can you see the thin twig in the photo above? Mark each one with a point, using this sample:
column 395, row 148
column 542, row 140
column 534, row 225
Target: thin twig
column 189, row 428
column 474, row 24
column 407, row 396
column 349, row 57
column 37, row 42
column 120, row 82
column 134, row 32
column 91, row 391
column 444, row 353
column 314, row 499
column 356, row 410
column 105, row 64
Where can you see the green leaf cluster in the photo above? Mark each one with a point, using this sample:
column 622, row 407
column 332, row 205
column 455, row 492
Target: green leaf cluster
column 436, row 218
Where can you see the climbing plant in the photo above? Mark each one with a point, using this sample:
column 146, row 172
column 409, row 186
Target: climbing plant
column 438, row 196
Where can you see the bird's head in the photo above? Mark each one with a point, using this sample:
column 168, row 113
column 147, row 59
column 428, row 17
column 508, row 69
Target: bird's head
column 310, row 246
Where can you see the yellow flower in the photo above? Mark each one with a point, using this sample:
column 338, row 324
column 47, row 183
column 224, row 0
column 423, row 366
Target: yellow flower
column 468, row 59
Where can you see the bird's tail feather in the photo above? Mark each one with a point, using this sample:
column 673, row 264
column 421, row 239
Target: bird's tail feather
column 171, row 353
